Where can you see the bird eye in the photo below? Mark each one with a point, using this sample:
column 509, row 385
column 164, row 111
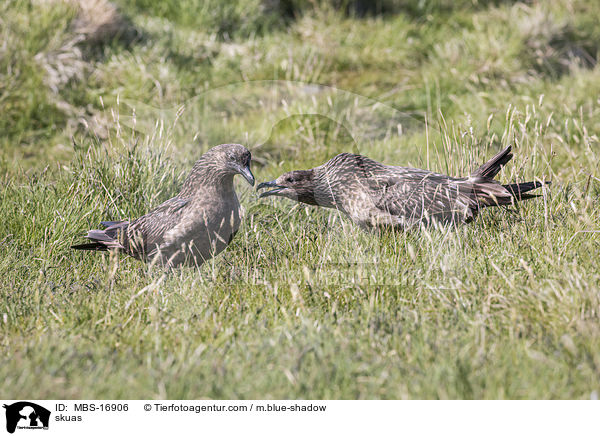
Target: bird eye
column 289, row 180
column 230, row 156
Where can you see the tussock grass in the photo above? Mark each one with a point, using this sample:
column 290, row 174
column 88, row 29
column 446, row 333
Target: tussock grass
column 303, row 304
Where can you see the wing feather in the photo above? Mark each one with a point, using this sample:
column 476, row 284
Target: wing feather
column 420, row 196
column 147, row 233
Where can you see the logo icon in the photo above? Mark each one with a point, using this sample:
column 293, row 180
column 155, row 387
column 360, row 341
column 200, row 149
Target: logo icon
column 26, row 415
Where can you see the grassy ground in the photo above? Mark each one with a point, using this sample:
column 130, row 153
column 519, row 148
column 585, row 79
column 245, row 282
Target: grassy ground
column 302, row 304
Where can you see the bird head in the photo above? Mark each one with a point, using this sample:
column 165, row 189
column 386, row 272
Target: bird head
column 234, row 159
column 295, row 185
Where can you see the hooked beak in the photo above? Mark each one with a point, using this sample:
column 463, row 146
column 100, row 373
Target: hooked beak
column 247, row 174
column 271, row 184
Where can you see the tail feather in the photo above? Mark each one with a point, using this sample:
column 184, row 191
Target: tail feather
column 518, row 190
column 102, row 240
column 107, row 224
column 92, row 246
column 489, row 169
column 99, row 235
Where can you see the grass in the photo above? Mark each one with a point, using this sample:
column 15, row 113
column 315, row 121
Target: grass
column 302, row 304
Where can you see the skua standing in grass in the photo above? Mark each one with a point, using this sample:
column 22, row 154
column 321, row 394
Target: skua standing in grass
column 192, row 227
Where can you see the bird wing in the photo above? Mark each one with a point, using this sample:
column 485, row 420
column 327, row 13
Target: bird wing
column 146, row 233
column 414, row 196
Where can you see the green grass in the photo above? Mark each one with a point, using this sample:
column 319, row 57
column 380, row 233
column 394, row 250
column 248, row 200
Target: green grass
column 302, row 304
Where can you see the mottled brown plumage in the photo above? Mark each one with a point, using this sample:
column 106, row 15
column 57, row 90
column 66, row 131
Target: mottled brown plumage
column 372, row 194
column 195, row 225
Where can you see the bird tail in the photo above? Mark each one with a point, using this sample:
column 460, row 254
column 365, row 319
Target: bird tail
column 519, row 190
column 489, row 192
column 103, row 240
column 92, row 246
column 489, row 169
